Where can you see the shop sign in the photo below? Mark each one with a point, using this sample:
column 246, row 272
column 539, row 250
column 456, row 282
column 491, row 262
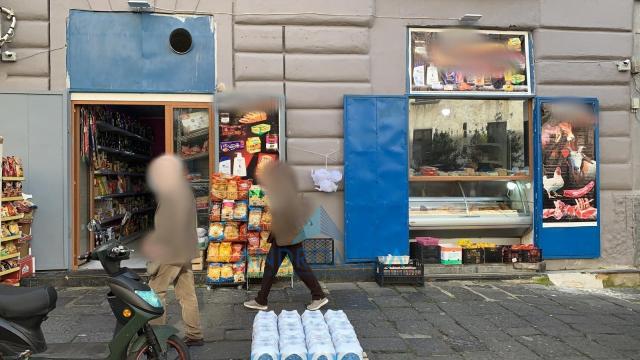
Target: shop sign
column 469, row 62
column 569, row 164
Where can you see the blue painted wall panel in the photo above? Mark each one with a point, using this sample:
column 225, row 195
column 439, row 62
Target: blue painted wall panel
column 376, row 180
column 130, row 52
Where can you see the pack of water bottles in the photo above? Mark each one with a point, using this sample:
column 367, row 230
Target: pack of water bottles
column 345, row 340
column 317, row 336
column 264, row 345
column 289, row 336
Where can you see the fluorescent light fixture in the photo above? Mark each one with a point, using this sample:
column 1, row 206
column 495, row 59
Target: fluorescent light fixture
column 139, row 4
column 470, row 18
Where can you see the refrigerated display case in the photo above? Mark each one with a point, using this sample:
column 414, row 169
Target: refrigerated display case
column 470, row 206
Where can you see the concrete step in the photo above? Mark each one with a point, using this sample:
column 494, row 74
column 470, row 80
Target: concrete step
column 596, row 279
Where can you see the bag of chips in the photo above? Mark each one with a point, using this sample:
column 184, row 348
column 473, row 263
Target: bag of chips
column 242, row 232
column 265, row 221
column 213, row 251
column 218, row 187
column 236, row 252
column 255, row 216
column 256, row 196
column 232, row 189
column 213, row 272
column 241, row 210
column 243, row 188
column 216, row 208
column 226, row 213
column 238, row 271
column 253, row 238
column 265, row 246
column 226, row 272
column 231, row 232
column 225, row 252
column 216, row 231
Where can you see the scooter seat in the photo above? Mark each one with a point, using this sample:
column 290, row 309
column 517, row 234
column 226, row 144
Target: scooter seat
column 23, row 302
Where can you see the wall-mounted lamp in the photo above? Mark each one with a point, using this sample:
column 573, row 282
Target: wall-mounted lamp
column 470, row 18
column 139, row 4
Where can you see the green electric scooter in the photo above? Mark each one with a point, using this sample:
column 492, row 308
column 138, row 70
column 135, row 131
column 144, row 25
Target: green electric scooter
column 134, row 304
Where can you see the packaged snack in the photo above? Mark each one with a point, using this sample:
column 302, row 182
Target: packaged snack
column 241, row 210
column 265, row 221
column 263, row 161
column 238, row 271
column 253, row 239
column 13, row 228
column 255, row 265
column 260, row 129
column 231, row 231
column 265, row 246
column 226, row 213
column 213, row 251
column 254, row 145
column 216, row 231
column 272, row 142
column 514, row 44
column 256, row 196
column 225, row 252
column 226, row 272
column 236, row 252
column 229, row 146
column 232, row 130
column 242, row 232
column 5, row 231
column 218, row 187
column 213, row 272
column 232, row 189
column 216, row 208
column 243, row 188
column 253, row 117
column 255, row 215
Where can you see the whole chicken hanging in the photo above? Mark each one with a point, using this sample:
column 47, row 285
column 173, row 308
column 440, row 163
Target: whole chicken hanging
column 552, row 185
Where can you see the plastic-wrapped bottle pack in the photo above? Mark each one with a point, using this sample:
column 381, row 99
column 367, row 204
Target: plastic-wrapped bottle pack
column 292, row 339
column 264, row 345
column 343, row 335
column 318, row 338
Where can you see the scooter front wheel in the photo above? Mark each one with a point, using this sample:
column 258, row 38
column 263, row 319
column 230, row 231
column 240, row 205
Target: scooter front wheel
column 176, row 350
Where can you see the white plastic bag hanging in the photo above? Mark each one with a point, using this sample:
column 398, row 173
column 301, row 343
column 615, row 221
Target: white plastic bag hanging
column 326, row 180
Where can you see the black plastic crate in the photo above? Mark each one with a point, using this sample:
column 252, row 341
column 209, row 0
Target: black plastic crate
column 493, row 255
column 318, row 251
column 523, row 255
column 429, row 254
column 409, row 274
column 472, row 256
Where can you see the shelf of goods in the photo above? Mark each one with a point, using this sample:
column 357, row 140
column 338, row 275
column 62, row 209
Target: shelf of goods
column 117, row 150
column 503, row 207
column 15, row 224
column 441, row 178
column 192, row 143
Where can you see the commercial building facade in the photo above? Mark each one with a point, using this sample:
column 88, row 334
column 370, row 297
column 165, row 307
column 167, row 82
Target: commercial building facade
column 314, row 53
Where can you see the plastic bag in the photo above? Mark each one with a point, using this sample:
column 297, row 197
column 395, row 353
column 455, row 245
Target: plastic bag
column 265, row 337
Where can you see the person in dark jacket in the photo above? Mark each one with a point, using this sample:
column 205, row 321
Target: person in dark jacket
column 289, row 213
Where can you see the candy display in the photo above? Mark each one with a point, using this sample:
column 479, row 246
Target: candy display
column 16, row 217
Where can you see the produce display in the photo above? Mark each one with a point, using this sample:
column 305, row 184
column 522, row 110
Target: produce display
column 16, row 216
column 117, row 149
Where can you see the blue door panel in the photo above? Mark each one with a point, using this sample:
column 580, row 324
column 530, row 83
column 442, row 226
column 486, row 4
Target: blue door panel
column 376, row 180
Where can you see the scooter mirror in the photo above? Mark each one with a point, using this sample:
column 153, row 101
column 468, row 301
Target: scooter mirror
column 92, row 225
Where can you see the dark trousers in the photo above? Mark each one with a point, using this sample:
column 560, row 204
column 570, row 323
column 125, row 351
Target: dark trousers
column 303, row 270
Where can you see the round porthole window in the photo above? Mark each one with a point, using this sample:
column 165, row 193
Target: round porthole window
column 180, row 40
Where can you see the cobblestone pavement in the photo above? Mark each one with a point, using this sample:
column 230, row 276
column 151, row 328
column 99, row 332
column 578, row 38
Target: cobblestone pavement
column 443, row 320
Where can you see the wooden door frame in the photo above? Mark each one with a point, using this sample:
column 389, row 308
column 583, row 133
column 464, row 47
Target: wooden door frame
column 169, row 148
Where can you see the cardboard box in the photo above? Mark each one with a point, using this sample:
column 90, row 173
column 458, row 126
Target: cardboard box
column 27, row 266
column 450, row 254
column 197, row 264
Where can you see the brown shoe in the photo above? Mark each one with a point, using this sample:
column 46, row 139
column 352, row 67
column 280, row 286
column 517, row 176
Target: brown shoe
column 193, row 342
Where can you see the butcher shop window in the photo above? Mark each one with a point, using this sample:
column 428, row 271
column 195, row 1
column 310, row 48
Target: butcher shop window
column 469, row 137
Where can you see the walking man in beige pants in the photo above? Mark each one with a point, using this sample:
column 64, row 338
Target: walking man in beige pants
column 173, row 242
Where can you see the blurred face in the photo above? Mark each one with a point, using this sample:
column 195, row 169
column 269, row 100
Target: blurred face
column 166, row 175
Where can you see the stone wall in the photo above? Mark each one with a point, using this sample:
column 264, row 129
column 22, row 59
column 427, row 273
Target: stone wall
column 314, row 52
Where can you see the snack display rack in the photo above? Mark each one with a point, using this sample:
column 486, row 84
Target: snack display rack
column 250, row 137
column 16, row 216
column 117, row 149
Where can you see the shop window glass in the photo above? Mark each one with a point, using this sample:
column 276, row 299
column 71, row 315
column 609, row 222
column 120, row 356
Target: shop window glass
column 454, row 137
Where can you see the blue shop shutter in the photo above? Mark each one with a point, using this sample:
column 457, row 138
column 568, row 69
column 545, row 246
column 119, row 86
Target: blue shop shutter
column 376, row 180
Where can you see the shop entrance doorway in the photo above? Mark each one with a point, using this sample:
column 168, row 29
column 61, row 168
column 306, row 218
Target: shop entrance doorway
column 114, row 138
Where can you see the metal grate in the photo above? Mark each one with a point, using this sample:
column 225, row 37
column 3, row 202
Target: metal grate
column 318, row 251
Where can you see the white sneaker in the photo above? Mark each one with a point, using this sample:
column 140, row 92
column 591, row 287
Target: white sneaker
column 252, row 304
column 317, row 304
